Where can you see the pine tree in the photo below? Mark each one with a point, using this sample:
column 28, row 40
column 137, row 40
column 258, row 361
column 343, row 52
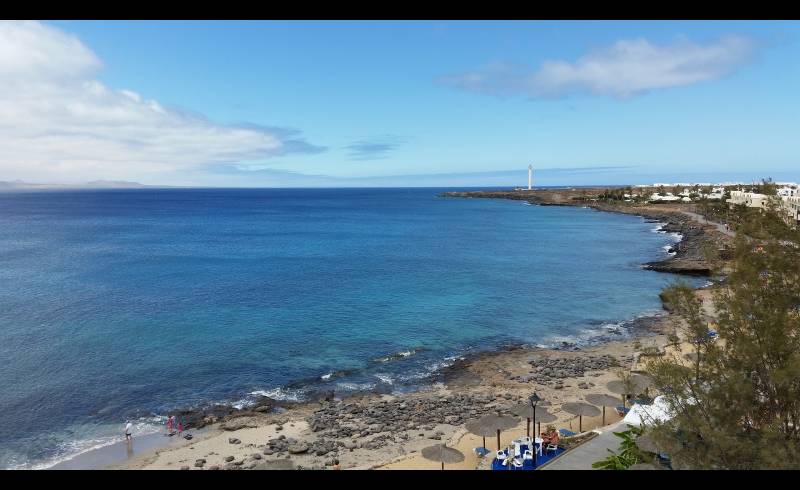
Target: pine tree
column 737, row 400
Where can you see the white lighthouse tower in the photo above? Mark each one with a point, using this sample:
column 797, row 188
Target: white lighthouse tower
column 530, row 177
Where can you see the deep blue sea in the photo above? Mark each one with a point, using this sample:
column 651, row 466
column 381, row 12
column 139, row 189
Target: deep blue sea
column 121, row 304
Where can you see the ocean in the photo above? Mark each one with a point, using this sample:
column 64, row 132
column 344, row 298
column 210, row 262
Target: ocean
column 119, row 305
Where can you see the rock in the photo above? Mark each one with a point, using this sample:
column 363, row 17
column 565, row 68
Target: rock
column 215, row 467
column 239, row 423
column 228, row 459
column 185, row 467
column 255, row 456
column 298, row 448
column 233, row 440
column 199, row 463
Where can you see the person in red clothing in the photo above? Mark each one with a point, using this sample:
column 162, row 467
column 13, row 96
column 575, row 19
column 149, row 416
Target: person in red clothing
column 169, row 424
column 180, row 428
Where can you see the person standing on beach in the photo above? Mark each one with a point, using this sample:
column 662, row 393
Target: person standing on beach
column 169, row 424
column 128, row 435
column 180, row 428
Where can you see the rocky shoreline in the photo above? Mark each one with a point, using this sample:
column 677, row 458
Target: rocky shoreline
column 689, row 257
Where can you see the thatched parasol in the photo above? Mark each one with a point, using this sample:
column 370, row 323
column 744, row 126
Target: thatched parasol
column 581, row 409
column 498, row 422
column 640, row 384
column 542, row 415
column 602, row 401
column 526, row 410
column 443, row 454
column 479, row 429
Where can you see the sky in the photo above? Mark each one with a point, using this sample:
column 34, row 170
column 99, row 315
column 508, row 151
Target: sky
column 399, row 103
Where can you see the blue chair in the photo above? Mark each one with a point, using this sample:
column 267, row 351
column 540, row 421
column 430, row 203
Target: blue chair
column 566, row 433
column 481, row 451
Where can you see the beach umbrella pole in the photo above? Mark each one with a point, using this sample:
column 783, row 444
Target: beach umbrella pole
column 604, row 415
column 528, row 427
column 498, row 439
column 580, row 423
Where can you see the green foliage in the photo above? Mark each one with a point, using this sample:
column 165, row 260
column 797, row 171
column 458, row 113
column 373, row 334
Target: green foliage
column 628, row 454
column 737, row 401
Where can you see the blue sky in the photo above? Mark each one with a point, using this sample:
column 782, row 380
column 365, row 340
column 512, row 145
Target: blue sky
column 438, row 103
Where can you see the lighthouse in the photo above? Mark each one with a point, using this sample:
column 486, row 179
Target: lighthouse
column 530, row 177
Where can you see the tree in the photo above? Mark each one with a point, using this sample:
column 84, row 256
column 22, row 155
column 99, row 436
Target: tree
column 736, row 403
column 628, row 454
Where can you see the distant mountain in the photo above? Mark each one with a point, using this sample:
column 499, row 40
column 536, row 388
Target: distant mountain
column 115, row 184
column 95, row 184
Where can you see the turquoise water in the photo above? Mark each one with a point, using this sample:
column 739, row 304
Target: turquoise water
column 119, row 305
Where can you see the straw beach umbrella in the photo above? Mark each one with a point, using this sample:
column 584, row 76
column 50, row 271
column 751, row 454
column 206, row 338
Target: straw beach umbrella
column 478, row 428
column 525, row 410
column 639, row 383
column 498, row 422
column 542, row 415
column 443, row 454
column 602, row 401
column 581, row 409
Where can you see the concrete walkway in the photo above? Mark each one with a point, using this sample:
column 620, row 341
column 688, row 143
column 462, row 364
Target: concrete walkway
column 700, row 219
column 582, row 457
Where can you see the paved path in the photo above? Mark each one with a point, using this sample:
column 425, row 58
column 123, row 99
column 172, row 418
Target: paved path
column 700, row 219
column 582, row 457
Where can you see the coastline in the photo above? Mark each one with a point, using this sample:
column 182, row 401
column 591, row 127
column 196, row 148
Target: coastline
column 468, row 387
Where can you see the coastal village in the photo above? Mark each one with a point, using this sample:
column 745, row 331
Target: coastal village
column 519, row 408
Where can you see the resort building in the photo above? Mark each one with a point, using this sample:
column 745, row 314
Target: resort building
column 668, row 197
column 792, row 207
column 789, row 202
column 749, row 199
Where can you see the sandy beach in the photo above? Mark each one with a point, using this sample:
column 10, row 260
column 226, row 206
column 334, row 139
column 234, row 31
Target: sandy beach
column 475, row 387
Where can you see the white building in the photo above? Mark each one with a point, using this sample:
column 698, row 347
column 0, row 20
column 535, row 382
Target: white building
column 792, row 207
column 668, row 197
column 749, row 199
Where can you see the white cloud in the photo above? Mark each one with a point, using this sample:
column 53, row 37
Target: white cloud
column 626, row 68
column 59, row 124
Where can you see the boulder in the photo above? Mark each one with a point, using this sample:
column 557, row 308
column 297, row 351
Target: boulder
column 298, row 448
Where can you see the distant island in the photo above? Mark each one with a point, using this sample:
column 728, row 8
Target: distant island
column 95, row 184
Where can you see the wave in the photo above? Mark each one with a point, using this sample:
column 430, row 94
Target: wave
column 97, row 438
column 604, row 331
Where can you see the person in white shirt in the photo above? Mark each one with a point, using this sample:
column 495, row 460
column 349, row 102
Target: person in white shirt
column 128, row 431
